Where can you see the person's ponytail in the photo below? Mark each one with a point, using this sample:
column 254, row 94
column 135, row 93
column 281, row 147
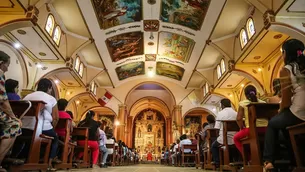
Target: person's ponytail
column 250, row 92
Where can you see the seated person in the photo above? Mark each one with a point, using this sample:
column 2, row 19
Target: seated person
column 71, row 115
column 227, row 113
column 62, row 104
column 276, row 98
column 12, row 89
column 48, row 117
column 102, row 144
column 93, row 126
column 210, row 124
column 250, row 93
column 292, row 106
column 175, row 146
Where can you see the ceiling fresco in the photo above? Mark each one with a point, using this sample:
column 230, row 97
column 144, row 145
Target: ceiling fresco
column 125, row 45
column 111, row 13
column 169, row 70
column 130, row 70
column 188, row 13
column 175, row 46
column 135, row 37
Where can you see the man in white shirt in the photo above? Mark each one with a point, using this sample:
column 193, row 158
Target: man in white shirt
column 227, row 113
column 174, row 154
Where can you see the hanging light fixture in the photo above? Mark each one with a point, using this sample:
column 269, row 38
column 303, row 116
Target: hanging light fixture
column 150, row 73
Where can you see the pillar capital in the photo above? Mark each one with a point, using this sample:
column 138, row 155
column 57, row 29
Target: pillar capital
column 122, row 105
column 177, row 107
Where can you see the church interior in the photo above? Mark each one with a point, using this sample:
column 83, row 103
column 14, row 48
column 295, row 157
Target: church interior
column 150, row 72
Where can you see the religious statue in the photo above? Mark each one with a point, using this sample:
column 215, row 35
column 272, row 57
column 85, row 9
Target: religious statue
column 139, row 133
column 159, row 133
column 176, row 133
column 149, row 128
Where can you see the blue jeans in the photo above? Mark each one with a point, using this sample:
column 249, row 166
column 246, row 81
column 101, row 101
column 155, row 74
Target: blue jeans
column 54, row 145
column 278, row 123
column 215, row 152
column 105, row 153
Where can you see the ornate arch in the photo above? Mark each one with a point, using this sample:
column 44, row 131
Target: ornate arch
column 255, row 82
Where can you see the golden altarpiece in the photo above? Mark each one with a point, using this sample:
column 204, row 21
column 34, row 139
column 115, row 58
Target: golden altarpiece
column 149, row 134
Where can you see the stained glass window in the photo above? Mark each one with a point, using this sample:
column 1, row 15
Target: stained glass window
column 218, row 71
column 92, row 86
column 243, row 38
column 250, row 27
column 81, row 69
column 57, row 35
column 94, row 89
column 50, row 24
column 223, row 66
column 77, row 63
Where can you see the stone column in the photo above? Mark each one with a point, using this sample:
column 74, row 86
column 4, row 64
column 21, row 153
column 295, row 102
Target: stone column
column 121, row 126
column 169, row 135
column 177, row 116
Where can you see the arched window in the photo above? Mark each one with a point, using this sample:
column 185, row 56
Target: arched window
column 92, row 86
column 94, row 89
column 81, row 69
column 218, row 71
column 207, row 90
column 250, row 28
column 57, row 35
column 243, row 38
column 204, row 91
column 223, row 66
column 50, row 24
column 77, row 63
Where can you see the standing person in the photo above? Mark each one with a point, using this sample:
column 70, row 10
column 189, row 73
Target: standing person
column 12, row 89
column 227, row 113
column 94, row 136
column 261, row 124
column 9, row 123
column 102, row 145
column 48, row 117
column 292, row 106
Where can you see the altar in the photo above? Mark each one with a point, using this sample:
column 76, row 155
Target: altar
column 149, row 134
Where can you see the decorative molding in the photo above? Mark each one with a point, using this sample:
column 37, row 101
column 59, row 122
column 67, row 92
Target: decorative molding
column 129, row 59
column 269, row 17
column 178, row 29
column 151, row 25
column 171, row 61
column 122, row 29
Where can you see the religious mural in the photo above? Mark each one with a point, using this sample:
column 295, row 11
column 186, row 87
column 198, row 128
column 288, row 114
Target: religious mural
column 188, row 13
column 192, row 125
column 130, row 70
column 111, row 13
column 107, row 120
column 175, row 46
column 125, row 45
column 169, row 70
column 149, row 133
column 150, row 57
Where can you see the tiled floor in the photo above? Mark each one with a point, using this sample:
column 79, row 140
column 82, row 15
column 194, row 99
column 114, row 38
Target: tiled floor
column 142, row 168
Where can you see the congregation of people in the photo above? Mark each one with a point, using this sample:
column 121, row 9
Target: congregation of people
column 289, row 94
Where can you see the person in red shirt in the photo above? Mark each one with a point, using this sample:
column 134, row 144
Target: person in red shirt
column 62, row 104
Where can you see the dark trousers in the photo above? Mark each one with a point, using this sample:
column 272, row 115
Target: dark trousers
column 54, row 145
column 278, row 123
column 215, row 152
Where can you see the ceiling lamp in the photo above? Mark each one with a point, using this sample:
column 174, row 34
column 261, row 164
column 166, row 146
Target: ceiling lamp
column 150, row 73
column 56, row 81
column 17, row 45
column 38, row 65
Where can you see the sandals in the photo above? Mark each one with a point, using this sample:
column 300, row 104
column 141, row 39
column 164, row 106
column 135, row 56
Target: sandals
column 268, row 167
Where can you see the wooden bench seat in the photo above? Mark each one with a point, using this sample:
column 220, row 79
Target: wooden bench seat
column 36, row 140
column 66, row 144
column 82, row 132
column 212, row 134
column 225, row 163
column 256, row 110
column 194, row 154
column 299, row 151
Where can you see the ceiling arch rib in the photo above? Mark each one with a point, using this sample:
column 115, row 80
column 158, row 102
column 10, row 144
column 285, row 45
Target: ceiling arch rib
column 169, row 41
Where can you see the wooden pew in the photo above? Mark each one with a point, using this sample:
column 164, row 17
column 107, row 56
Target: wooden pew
column 68, row 147
column 83, row 132
column 256, row 110
column 228, row 126
column 212, row 134
column 299, row 154
column 193, row 153
column 37, row 139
